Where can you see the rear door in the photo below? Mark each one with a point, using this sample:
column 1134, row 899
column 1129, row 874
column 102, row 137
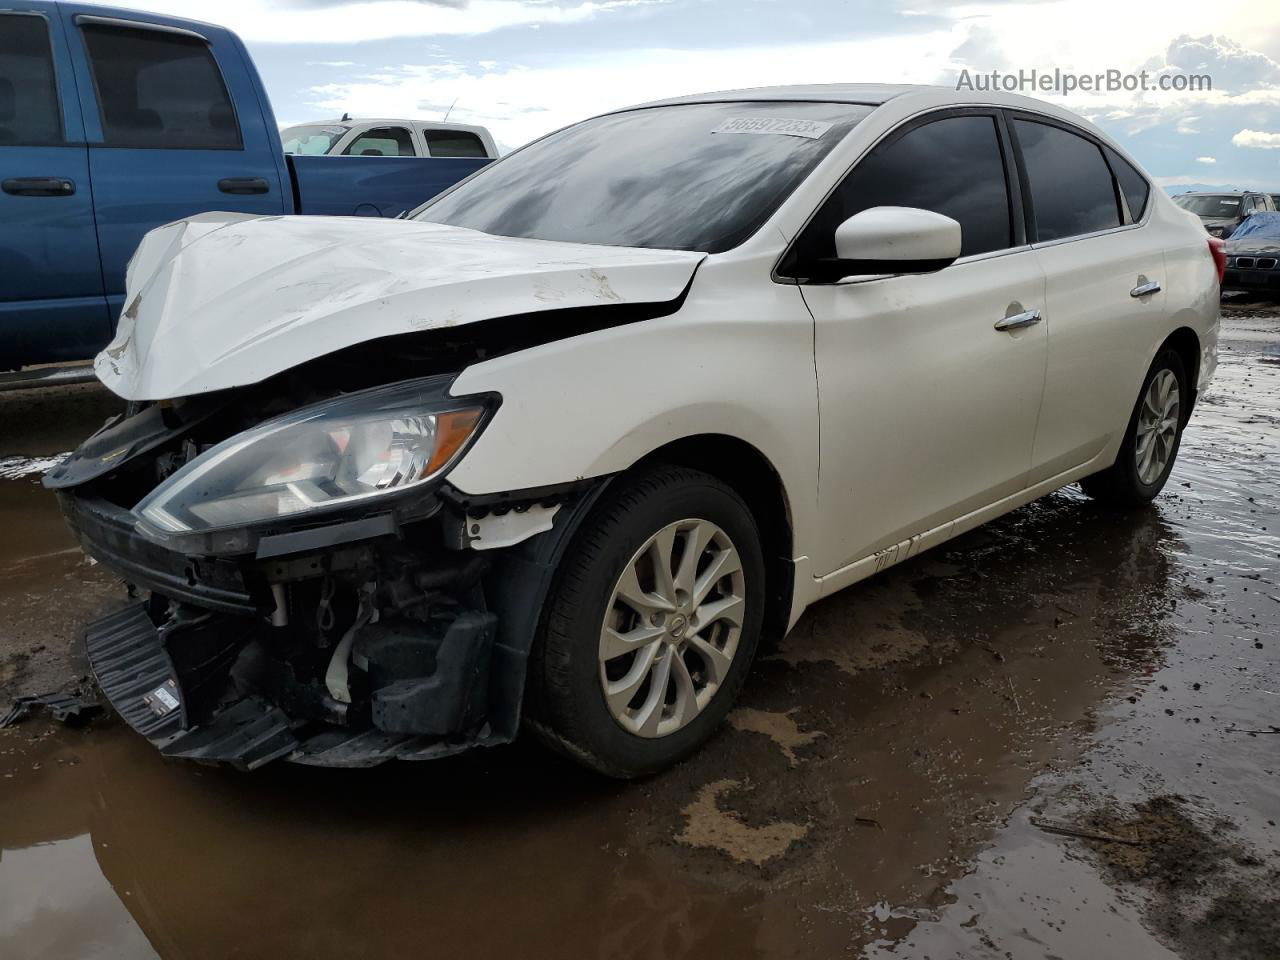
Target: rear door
column 1105, row 272
column 51, row 305
column 174, row 127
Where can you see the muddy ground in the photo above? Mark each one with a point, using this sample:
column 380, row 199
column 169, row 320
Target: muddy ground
column 1053, row 737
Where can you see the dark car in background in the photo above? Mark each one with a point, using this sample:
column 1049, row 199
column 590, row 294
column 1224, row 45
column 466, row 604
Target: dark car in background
column 1253, row 255
column 1222, row 212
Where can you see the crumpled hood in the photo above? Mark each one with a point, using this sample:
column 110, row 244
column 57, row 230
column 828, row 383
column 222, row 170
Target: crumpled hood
column 222, row 299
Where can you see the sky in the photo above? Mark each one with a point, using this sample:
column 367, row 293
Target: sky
column 526, row 67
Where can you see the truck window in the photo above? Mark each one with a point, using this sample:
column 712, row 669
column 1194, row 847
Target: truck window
column 29, row 111
column 159, row 89
column 381, row 142
column 312, row 139
column 454, row 143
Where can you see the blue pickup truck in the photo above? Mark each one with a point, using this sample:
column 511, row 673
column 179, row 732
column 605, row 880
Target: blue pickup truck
column 113, row 122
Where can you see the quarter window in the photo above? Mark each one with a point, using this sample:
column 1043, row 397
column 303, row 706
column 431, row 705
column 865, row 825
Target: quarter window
column 953, row 166
column 159, row 89
column 29, row 112
column 1071, row 186
column 1133, row 185
column 454, row 143
column 381, row 142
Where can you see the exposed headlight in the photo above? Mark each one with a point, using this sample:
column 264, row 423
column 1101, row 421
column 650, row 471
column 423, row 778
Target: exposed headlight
column 341, row 452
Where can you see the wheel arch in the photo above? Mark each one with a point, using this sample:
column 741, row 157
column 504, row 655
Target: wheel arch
column 1186, row 343
column 743, row 467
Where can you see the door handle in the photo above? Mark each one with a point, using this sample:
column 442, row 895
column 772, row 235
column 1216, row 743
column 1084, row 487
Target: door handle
column 39, row 186
column 243, row 185
column 1145, row 289
column 1028, row 318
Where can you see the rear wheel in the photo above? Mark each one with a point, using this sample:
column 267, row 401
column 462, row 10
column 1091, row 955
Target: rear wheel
column 1152, row 440
column 651, row 626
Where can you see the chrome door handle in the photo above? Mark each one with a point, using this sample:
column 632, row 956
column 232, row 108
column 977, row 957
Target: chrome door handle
column 1145, row 289
column 1027, row 318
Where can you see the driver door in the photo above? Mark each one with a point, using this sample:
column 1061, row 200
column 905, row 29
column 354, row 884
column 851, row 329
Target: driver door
column 928, row 411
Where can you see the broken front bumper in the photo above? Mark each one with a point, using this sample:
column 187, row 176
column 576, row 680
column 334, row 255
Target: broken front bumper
column 206, row 671
column 135, row 671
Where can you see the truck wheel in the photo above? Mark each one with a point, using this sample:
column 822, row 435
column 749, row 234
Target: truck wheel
column 1151, row 443
column 651, row 624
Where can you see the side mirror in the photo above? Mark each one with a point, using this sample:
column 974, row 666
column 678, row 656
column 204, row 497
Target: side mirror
column 889, row 240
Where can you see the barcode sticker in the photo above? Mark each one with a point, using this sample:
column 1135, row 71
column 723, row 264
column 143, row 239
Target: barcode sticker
column 784, row 126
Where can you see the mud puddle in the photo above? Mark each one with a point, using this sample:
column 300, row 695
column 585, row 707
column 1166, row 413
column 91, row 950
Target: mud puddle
column 872, row 796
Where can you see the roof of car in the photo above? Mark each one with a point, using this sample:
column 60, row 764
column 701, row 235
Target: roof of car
column 1215, row 193
column 361, row 121
column 876, row 94
column 873, row 94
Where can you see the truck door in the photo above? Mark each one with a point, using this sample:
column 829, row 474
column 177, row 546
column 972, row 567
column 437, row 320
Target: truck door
column 175, row 127
column 51, row 304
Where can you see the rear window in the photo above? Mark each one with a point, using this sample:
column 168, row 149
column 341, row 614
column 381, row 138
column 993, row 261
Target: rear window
column 159, row 89
column 454, row 143
column 29, row 110
column 1071, row 186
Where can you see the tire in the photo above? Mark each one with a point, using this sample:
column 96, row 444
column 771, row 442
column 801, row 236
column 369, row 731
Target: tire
column 570, row 666
column 1129, row 482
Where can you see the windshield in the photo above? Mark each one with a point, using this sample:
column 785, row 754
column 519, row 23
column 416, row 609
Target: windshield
column 1259, row 226
column 312, row 139
column 699, row 176
column 1210, row 206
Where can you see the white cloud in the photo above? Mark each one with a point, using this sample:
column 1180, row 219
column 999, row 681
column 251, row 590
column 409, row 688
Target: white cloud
column 1257, row 138
column 1206, row 159
column 519, row 103
column 1187, row 126
column 352, row 22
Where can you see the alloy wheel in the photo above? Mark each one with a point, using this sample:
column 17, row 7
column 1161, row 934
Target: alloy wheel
column 672, row 627
column 1157, row 432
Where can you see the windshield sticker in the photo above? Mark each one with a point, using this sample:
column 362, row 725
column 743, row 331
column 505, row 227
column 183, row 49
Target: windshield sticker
column 1229, row 203
column 333, row 129
column 809, row 129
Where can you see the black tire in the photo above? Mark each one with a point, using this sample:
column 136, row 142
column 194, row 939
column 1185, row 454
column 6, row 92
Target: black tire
column 1120, row 485
column 566, row 706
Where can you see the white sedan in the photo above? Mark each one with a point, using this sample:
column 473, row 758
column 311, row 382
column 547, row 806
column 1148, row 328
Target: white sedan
column 557, row 449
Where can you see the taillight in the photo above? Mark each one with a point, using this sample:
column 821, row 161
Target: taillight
column 1218, row 250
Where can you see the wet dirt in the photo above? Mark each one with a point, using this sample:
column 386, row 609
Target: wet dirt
column 873, row 795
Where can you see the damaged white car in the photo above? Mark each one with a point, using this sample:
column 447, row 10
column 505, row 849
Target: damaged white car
column 558, row 449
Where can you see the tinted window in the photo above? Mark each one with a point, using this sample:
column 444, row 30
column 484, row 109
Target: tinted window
column 28, row 94
column 1133, row 185
column 158, row 89
column 382, row 142
column 454, row 143
column 952, row 166
column 1071, row 186
column 696, row 176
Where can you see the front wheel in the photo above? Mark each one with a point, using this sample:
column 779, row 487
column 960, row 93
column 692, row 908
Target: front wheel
column 651, row 625
column 1151, row 442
